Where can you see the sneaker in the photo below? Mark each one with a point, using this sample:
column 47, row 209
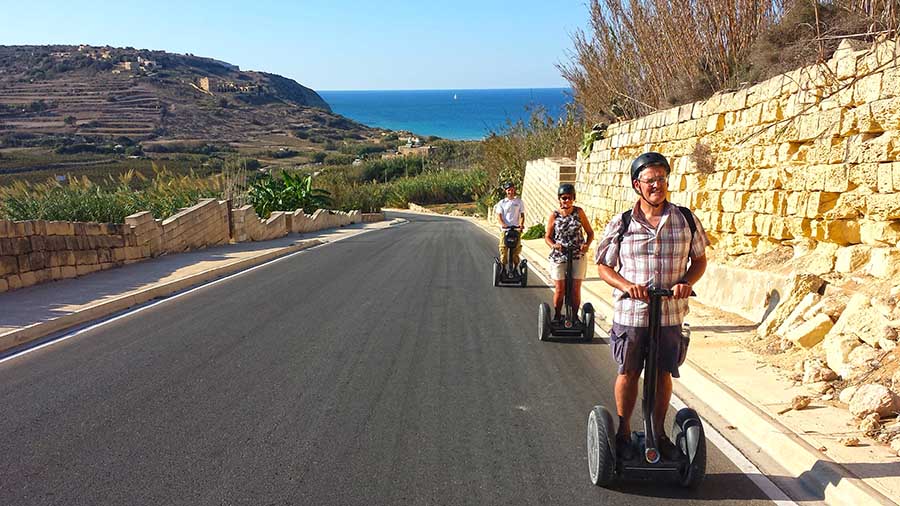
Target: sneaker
column 667, row 448
column 624, row 448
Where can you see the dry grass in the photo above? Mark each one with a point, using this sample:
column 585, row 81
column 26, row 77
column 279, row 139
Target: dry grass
column 643, row 55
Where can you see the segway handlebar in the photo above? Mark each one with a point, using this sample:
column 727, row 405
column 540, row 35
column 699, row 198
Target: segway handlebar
column 659, row 292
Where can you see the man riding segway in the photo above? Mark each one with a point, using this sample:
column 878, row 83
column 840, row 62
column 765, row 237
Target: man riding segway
column 658, row 249
column 510, row 213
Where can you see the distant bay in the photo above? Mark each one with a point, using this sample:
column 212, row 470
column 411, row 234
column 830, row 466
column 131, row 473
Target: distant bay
column 450, row 114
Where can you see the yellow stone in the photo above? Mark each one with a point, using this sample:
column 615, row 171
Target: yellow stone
column 882, row 206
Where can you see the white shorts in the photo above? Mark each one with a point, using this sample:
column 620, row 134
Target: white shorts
column 558, row 271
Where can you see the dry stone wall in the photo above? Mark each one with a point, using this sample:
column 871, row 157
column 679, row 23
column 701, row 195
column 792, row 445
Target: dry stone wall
column 797, row 182
column 542, row 179
column 33, row 252
column 811, row 154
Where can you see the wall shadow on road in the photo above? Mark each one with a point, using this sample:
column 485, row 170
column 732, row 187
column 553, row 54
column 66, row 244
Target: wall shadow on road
column 810, row 486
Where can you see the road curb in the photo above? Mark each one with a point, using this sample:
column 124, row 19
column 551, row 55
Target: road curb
column 45, row 328
column 813, row 469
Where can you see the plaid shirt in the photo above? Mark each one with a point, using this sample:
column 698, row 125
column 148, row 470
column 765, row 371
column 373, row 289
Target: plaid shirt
column 651, row 257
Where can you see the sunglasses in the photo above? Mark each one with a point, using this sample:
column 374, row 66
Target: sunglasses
column 654, row 181
column 566, row 197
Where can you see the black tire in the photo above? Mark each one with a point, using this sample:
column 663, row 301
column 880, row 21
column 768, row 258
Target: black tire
column 601, row 446
column 523, row 269
column 587, row 318
column 543, row 321
column 496, row 274
column 691, row 441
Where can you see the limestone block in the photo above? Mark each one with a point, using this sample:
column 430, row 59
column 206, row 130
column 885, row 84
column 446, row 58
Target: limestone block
column 28, row 279
column 745, row 224
column 835, row 178
column 819, row 203
column 796, row 203
column 867, row 88
column 895, row 171
column 883, row 206
column 832, row 305
column 734, row 201
column 849, row 205
column 715, row 123
column 796, row 288
column 884, row 263
column 875, row 147
column 799, row 227
column 14, row 281
column 842, row 232
column 863, row 321
column 885, row 177
column 736, row 244
column 8, row 265
column 762, row 224
column 880, row 233
column 780, row 229
column 885, row 113
column 837, row 348
column 851, row 258
column 811, row 332
column 796, row 316
column 873, row 398
column 864, row 175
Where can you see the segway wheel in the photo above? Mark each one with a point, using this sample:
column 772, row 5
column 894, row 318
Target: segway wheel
column 543, row 321
column 691, row 441
column 601, row 446
column 587, row 317
column 497, row 271
column 523, row 269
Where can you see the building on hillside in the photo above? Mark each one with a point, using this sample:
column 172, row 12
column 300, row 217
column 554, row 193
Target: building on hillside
column 415, row 150
column 210, row 85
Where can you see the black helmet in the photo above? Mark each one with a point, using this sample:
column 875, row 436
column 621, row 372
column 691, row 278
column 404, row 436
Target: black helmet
column 566, row 189
column 507, row 185
column 648, row 159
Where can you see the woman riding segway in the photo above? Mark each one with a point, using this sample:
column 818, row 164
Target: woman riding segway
column 567, row 228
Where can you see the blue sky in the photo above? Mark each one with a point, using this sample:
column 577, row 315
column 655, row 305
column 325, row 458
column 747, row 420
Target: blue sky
column 329, row 45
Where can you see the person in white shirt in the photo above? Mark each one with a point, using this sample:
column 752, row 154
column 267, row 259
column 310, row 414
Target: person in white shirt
column 510, row 212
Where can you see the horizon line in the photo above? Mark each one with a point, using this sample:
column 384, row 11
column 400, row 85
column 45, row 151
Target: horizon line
column 453, row 89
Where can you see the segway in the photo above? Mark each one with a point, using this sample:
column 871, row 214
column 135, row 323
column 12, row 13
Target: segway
column 505, row 271
column 688, row 469
column 569, row 326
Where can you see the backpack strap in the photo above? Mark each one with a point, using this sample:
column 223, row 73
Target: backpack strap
column 626, row 221
column 689, row 217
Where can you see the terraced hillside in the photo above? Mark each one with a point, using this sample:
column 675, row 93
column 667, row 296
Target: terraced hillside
column 141, row 94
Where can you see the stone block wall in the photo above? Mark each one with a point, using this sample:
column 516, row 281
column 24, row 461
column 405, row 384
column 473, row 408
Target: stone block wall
column 200, row 226
column 812, row 154
column 807, row 160
column 37, row 251
column 541, row 181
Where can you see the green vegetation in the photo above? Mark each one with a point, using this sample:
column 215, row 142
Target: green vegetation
column 79, row 199
column 287, row 193
column 535, row 232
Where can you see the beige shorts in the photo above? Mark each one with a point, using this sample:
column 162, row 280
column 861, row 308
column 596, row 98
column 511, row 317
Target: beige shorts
column 558, row 271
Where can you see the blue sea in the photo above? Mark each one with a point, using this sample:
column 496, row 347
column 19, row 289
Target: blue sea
column 450, row 114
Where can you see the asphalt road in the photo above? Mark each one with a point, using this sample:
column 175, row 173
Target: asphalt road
column 381, row 369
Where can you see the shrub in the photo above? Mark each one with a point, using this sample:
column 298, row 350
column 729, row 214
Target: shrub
column 287, row 193
column 535, row 232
